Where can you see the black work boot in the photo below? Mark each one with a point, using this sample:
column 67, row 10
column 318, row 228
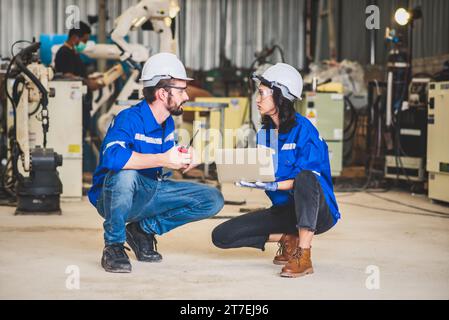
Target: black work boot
column 142, row 243
column 115, row 258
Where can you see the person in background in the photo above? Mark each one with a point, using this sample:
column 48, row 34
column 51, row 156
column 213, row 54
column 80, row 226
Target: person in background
column 69, row 63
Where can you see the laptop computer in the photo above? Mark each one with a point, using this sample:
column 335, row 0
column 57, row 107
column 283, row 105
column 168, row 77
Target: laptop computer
column 248, row 164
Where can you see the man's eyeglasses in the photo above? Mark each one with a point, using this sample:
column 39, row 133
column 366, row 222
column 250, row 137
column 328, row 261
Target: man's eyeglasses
column 181, row 89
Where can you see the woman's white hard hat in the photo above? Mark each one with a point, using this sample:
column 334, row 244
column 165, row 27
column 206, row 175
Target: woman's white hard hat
column 285, row 77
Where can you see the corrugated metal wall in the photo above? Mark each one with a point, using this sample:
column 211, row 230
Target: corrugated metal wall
column 200, row 33
column 252, row 25
column 249, row 25
column 25, row 19
column 430, row 36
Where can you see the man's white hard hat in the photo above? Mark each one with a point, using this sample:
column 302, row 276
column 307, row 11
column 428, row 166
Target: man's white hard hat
column 160, row 66
column 285, row 77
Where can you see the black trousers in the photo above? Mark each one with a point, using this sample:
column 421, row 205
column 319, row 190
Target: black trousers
column 309, row 211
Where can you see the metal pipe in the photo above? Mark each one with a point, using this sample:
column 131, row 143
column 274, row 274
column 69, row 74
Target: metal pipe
column 389, row 97
column 101, row 33
column 373, row 47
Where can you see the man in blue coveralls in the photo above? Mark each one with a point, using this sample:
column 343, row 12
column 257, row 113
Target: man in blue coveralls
column 129, row 190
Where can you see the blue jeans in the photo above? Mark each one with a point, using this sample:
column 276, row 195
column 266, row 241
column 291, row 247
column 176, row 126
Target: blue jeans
column 158, row 206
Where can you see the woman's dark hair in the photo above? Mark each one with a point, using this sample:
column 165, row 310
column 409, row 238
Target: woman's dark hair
column 287, row 113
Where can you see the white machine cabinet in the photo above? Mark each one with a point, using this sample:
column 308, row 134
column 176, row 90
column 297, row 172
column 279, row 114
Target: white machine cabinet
column 64, row 133
column 438, row 141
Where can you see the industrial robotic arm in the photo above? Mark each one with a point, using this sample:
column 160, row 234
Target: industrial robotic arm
column 34, row 92
column 157, row 12
column 40, row 191
column 160, row 14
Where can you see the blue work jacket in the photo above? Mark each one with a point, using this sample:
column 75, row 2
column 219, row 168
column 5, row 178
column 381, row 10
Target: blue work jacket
column 133, row 129
column 301, row 148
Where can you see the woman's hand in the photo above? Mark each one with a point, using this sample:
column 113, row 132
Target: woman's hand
column 267, row 186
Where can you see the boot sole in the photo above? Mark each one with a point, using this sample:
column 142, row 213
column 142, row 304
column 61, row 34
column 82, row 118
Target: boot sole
column 296, row 275
column 116, row 271
column 107, row 269
column 280, row 262
column 132, row 244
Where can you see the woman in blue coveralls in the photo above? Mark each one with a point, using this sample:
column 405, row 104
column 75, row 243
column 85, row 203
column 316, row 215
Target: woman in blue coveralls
column 303, row 199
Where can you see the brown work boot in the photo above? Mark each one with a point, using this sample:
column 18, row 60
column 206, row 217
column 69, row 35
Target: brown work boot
column 299, row 265
column 287, row 246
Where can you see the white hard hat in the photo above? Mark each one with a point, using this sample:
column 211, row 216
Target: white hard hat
column 284, row 77
column 160, row 66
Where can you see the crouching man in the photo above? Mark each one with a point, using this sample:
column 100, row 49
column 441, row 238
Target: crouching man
column 129, row 190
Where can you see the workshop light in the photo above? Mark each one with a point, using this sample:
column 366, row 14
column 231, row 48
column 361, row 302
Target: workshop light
column 173, row 10
column 167, row 21
column 402, row 16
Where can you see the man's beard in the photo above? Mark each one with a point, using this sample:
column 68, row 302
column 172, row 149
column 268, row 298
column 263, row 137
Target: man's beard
column 175, row 110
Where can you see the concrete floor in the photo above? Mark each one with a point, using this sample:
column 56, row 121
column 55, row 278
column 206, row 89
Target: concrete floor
column 410, row 250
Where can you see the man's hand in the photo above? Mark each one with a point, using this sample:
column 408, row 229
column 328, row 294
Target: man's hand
column 268, row 186
column 173, row 159
column 194, row 160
